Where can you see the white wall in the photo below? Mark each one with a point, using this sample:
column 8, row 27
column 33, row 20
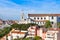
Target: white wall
column 47, row 18
column 53, row 20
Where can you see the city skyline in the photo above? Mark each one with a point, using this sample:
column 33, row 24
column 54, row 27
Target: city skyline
column 11, row 9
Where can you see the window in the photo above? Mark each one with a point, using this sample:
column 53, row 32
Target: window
column 38, row 18
column 48, row 34
column 59, row 17
column 17, row 36
column 52, row 17
column 22, row 17
column 40, row 22
column 34, row 18
column 36, row 22
column 52, row 22
column 49, row 37
column 44, row 18
column 41, row 17
column 25, row 19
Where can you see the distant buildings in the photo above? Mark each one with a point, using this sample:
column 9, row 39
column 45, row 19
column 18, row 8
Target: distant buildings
column 45, row 34
column 6, row 23
column 32, row 31
column 36, row 31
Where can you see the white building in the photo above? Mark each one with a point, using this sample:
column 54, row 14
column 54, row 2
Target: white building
column 51, row 35
column 40, row 19
column 23, row 20
column 35, row 31
column 14, row 34
column 32, row 31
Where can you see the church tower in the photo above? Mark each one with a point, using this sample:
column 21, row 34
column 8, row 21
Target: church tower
column 22, row 15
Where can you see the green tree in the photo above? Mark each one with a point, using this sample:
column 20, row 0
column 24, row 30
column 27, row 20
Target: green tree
column 15, row 26
column 22, row 26
column 58, row 24
column 5, row 31
column 37, row 38
column 47, row 24
column 26, row 39
column 17, row 39
column 22, row 39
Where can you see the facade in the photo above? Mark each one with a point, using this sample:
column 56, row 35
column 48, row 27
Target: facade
column 32, row 31
column 16, row 34
column 23, row 20
column 40, row 19
column 35, row 31
column 53, row 34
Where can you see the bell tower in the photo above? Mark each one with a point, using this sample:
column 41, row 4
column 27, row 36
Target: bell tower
column 22, row 15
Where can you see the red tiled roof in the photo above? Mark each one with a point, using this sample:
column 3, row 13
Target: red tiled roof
column 54, row 29
column 43, row 14
column 18, row 32
column 15, row 32
column 22, row 32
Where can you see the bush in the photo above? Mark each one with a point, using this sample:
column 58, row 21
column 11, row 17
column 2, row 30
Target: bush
column 48, row 24
column 37, row 38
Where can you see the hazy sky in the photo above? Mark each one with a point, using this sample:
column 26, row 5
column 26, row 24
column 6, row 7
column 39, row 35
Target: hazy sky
column 11, row 9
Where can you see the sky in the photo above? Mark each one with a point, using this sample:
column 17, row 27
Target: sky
column 11, row 9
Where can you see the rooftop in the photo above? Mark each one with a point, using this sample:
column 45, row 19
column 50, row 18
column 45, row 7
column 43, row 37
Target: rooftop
column 43, row 14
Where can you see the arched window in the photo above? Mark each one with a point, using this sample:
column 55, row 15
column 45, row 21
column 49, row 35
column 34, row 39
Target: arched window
column 34, row 17
column 41, row 18
column 52, row 22
column 38, row 18
column 44, row 18
column 52, row 17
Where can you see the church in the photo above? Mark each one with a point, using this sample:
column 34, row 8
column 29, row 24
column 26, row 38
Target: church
column 40, row 19
column 23, row 20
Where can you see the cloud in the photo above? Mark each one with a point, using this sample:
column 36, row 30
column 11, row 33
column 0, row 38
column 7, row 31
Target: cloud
column 9, row 9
